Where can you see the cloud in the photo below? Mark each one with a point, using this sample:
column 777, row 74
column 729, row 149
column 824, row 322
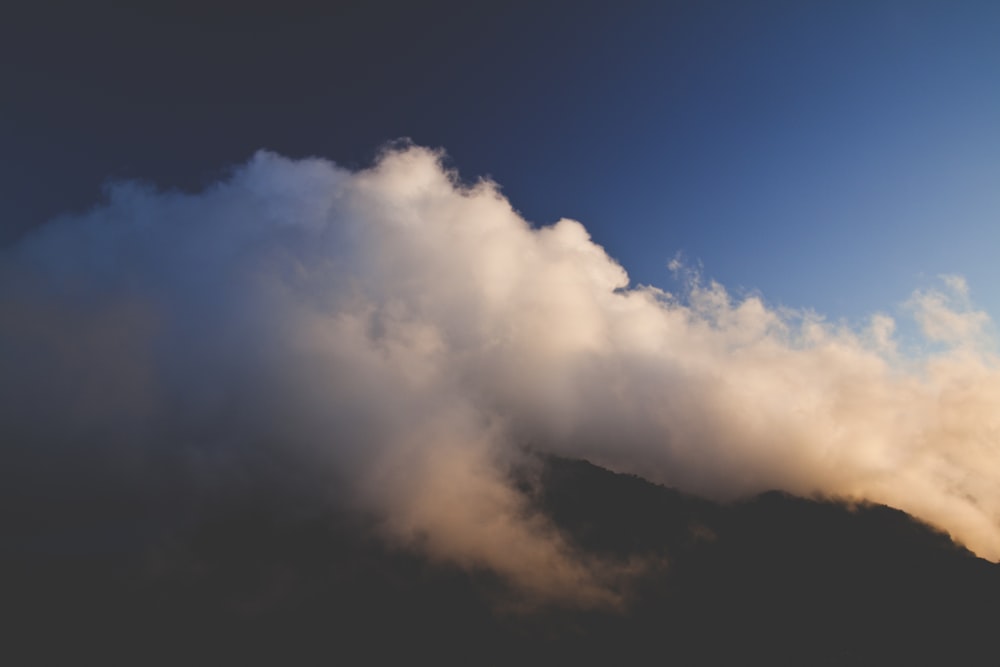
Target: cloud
column 947, row 316
column 394, row 339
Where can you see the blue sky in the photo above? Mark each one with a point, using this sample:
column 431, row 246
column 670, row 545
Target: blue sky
column 832, row 155
column 839, row 159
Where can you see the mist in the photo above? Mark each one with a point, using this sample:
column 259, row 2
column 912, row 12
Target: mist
column 398, row 341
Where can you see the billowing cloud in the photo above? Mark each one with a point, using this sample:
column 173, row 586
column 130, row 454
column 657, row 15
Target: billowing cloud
column 395, row 339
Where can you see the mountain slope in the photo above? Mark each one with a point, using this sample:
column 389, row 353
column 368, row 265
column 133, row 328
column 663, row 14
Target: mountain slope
column 771, row 580
column 783, row 578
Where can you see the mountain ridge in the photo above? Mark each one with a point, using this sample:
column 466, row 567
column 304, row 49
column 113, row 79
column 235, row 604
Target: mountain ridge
column 773, row 579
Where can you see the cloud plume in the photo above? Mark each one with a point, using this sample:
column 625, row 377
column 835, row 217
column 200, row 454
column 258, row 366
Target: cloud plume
column 395, row 338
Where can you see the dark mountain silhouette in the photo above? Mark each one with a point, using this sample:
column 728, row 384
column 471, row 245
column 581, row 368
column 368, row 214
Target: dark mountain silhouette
column 771, row 580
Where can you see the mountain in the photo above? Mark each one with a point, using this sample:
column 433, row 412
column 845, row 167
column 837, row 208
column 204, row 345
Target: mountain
column 773, row 579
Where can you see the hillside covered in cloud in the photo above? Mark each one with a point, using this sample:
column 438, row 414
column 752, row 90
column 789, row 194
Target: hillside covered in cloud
column 769, row 580
column 389, row 341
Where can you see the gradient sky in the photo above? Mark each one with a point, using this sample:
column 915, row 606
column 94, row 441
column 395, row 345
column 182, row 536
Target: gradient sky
column 832, row 155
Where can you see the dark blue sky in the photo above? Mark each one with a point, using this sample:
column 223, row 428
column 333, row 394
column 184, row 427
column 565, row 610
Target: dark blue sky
column 833, row 155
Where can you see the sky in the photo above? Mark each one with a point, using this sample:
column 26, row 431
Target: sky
column 832, row 155
column 378, row 254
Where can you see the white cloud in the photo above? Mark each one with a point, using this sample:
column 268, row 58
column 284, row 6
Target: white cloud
column 948, row 316
column 408, row 335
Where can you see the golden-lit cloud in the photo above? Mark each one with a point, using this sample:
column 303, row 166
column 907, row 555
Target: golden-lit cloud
column 404, row 337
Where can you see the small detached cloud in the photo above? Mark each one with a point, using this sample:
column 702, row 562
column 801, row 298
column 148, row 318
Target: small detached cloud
column 947, row 316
